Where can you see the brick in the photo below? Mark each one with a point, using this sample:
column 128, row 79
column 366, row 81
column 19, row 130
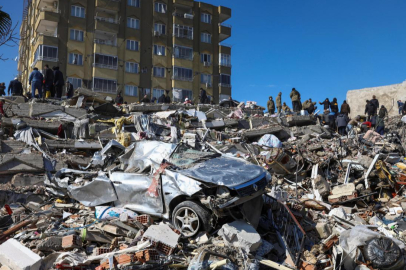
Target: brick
column 101, row 250
column 71, row 241
column 144, row 220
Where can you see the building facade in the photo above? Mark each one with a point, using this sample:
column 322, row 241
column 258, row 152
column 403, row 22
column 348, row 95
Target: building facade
column 135, row 47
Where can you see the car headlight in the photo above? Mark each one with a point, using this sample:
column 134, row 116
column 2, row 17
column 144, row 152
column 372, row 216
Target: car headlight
column 223, row 192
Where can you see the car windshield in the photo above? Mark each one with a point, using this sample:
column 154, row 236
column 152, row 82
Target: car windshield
column 185, row 157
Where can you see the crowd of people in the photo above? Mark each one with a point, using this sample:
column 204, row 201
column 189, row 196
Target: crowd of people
column 333, row 117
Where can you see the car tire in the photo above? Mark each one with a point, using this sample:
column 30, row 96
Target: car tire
column 190, row 217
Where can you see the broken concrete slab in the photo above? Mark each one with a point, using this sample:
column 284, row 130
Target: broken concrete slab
column 300, row 120
column 241, row 234
column 162, row 233
column 23, row 179
column 18, row 257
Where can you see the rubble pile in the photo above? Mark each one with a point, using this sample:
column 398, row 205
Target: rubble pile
column 86, row 184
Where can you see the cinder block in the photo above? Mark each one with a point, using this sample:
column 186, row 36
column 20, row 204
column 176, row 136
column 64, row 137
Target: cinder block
column 18, row 257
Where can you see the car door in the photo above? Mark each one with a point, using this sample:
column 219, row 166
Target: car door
column 133, row 192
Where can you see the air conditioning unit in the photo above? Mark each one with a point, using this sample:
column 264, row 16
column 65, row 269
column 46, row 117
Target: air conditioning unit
column 157, row 33
column 206, row 64
column 188, row 16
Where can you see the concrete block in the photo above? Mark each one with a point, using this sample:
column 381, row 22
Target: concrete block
column 18, row 257
column 241, row 234
column 71, row 241
column 52, row 243
column 338, row 212
column 323, row 229
column 162, row 233
column 21, row 180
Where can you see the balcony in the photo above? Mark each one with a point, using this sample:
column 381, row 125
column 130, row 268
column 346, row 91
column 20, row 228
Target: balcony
column 105, row 66
column 224, row 13
column 44, row 58
column 225, row 85
column 187, row 3
column 183, row 15
column 47, row 4
column 108, row 4
column 225, row 48
column 45, row 39
column 180, row 78
column 47, row 22
column 106, row 24
column 224, row 31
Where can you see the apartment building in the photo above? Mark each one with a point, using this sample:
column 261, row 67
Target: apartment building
column 135, row 47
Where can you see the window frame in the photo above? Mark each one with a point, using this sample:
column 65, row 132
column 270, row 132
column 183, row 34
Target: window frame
column 183, row 76
column 160, row 28
column 180, row 56
column 207, row 56
column 74, row 10
column 222, row 83
column 136, row 42
column 160, row 8
column 102, row 90
column 203, row 16
column 72, row 81
column 128, row 64
column 131, row 88
column 157, row 90
column 137, row 3
column 227, row 60
column 135, row 21
column 204, row 34
column 179, row 31
column 79, row 57
column 159, row 68
column 75, row 34
column 158, row 48
column 206, row 75
column 113, row 65
column 185, row 93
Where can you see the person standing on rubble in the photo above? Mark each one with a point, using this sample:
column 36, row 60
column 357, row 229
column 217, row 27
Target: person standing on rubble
column 380, row 124
column 145, row 99
column 285, row 108
column 278, row 101
column 295, row 97
column 341, row 122
column 400, row 106
column 167, row 98
column 305, row 105
column 311, row 108
column 16, row 87
column 326, row 104
column 69, row 89
column 271, row 105
column 49, row 82
column 35, row 80
column 202, row 96
column 383, row 112
column 334, row 106
column 3, row 89
column 58, row 82
column 375, row 103
column 119, row 99
column 370, row 110
column 345, row 108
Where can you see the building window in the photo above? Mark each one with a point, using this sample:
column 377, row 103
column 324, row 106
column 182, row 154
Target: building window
column 206, row 38
column 131, row 90
column 46, row 53
column 182, row 31
column 145, row 91
column 105, row 61
column 225, row 80
column 159, row 72
column 159, row 50
column 157, row 93
column 205, row 58
column 225, row 60
column 206, row 18
column 183, row 52
column 132, row 45
column 205, row 79
column 160, row 7
column 179, row 95
column 77, row 11
column 75, row 59
column 76, row 35
column 134, row 3
column 104, row 85
column 131, row 67
column 133, row 23
column 159, row 28
column 182, row 74
column 76, row 82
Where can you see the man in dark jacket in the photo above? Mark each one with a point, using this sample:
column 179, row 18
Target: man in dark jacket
column 69, row 89
column 345, row 108
column 334, row 106
column 167, row 97
column 119, row 99
column 370, row 110
column 342, row 122
column 58, row 82
column 49, row 80
column 295, row 97
column 35, row 80
column 326, row 104
column 375, row 103
column 400, row 106
column 3, row 89
column 202, row 96
column 145, row 99
column 16, row 87
column 161, row 99
column 383, row 112
column 271, row 106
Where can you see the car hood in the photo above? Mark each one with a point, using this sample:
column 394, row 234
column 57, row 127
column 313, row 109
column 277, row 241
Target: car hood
column 224, row 171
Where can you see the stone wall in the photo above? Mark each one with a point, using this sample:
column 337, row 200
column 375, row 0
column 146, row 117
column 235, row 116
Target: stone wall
column 387, row 95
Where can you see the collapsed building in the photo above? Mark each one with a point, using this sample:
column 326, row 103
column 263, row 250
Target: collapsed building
column 90, row 185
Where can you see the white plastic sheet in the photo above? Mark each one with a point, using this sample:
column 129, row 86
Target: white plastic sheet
column 270, row 140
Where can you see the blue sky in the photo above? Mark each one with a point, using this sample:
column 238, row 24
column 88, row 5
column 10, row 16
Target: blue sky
column 321, row 47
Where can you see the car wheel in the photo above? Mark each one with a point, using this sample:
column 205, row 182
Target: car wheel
column 189, row 218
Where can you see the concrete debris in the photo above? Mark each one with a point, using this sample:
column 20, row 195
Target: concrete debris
column 88, row 184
